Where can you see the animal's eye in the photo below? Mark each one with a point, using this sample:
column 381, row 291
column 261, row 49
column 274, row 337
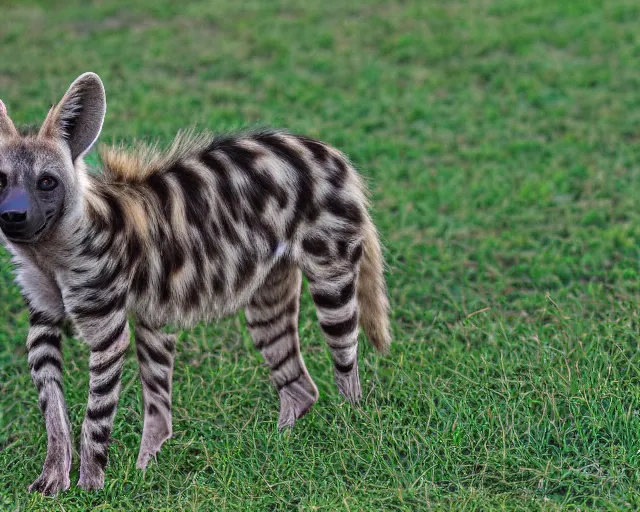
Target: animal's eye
column 3, row 180
column 47, row 183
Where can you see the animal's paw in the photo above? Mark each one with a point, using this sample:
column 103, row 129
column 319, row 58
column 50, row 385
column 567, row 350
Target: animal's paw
column 157, row 430
column 349, row 384
column 144, row 457
column 51, row 481
column 91, row 480
column 296, row 399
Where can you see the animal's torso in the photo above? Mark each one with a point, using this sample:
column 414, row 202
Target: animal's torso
column 197, row 238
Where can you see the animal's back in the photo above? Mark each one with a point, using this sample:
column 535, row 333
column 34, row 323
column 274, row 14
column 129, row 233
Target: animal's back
column 201, row 227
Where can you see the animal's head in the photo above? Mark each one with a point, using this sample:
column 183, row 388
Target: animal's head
column 42, row 174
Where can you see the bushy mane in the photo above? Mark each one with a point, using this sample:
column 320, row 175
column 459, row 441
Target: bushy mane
column 137, row 162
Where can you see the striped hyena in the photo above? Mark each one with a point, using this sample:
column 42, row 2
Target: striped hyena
column 211, row 225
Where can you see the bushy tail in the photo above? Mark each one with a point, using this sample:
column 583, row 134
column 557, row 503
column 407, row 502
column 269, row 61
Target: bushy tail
column 372, row 291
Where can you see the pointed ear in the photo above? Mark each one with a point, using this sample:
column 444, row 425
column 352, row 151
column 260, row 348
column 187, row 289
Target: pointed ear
column 77, row 118
column 7, row 130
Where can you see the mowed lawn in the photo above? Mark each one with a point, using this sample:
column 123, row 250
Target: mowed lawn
column 501, row 142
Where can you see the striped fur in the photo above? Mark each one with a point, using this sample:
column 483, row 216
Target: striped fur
column 208, row 227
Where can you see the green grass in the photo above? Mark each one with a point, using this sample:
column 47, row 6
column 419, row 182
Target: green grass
column 500, row 139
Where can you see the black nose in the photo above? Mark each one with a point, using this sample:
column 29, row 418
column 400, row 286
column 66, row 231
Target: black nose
column 14, row 216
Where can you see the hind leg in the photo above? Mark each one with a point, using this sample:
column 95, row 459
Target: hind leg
column 272, row 318
column 333, row 277
column 156, row 352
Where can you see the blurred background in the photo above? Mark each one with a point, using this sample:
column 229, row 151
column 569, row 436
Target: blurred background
column 499, row 139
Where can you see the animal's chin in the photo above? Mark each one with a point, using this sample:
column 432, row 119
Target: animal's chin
column 26, row 240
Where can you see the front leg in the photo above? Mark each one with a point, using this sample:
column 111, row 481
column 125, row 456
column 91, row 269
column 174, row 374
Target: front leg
column 108, row 339
column 45, row 360
column 156, row 353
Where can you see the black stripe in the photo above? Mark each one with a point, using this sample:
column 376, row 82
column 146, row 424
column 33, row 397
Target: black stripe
column 116, row 213
column 169, row 344
column 92, row 247
column 290, row 330
column 210, row 234
column 278, row 146
column 315, row 246
column 46, row 359
column 344, row 368
column 43, row 405
column 291, row 353
column 142, row 358
column 110, row 338
column 289, row 309
column 342, row 248
column 102, row 279
column 101, row 412
column 140, row 282
column 277, row 277
column 337, row 172
column 152, row 410
column 42, row 318
column 173, row 257
column 104, row 308
column 228, row 229
column 105, row 365
column 107, row 386
column 229, row 145
column 264, row 302
column 53, row 340
column 157, row 356
column 143, row 324
column 50, row 380
column 101, row 458
column 193, row 294
column 149, row 383
column 317, row 148
column 226, row 191
column 348, row 291
column 263, row 187
column 193, row 193
column 163, row 382
column 102, row 435
column 215, row 231
column 345, row 209
column 165, row 402
column 218, row 284
column 133, row 246
column 341, row 328
column 327, row 301
column 160, row 187
column 337, row 346
column 257, row 198
column 245, row 272
column 313, row 212
column 291, row 380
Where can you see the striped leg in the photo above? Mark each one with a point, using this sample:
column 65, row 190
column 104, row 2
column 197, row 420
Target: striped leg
column 333, row 288
column 156, row 353
column 45, row 360
column 272, row 318
column 108, row 339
